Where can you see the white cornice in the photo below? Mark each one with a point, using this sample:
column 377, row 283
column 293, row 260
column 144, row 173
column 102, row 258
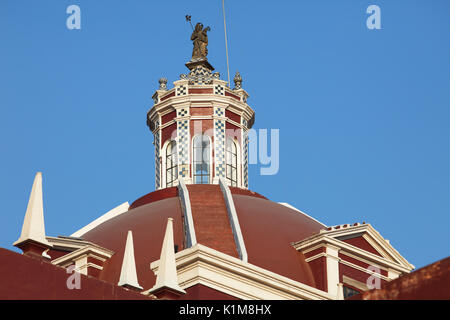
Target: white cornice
column 323, row 238
column 91, row 250
column 207, row 99
column 202, row 265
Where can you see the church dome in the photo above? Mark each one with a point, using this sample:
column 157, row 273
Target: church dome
column 268, row 229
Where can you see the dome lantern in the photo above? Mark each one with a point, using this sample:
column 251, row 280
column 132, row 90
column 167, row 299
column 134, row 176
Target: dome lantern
column 200, row 125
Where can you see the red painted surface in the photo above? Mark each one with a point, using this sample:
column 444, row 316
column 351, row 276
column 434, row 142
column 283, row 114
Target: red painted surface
column 359, row 263
column 232, row 116
column 429, row 283
column 172, row 94
column 362, row 243
column 211, row 223
column 202, row 126
column 319, row 271
column 33, row 249
column 54, row 254
column 29, row 278
column 245, row 192
column 315, row 252
column 168, row 117
column 155, row 196
column 168, row 133
column 268, row 230
column 200, row 91
column 228, row 94
column 203, row 111
column 354, row 274
column 148, row 223
column 201, row 292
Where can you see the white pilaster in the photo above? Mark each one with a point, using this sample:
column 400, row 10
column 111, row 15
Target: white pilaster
column 332, row 261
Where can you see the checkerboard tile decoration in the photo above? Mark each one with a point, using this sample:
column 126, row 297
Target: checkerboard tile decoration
column 157, row 162
column 181, row 90
column 246, row 160
column 199, row 76
column 182, row 112
column 219, row 89
column 219, row 112
column 183, row 147
column 219, row 147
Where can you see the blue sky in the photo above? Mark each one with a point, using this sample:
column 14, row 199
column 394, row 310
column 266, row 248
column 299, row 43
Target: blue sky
column 363, row 114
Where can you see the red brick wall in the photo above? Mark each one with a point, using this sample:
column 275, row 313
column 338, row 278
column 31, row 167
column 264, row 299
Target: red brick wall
column 25, row 278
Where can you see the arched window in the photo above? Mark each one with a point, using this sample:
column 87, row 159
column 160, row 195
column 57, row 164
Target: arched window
column 171, row 164
column 201, row 154
column 231, row 162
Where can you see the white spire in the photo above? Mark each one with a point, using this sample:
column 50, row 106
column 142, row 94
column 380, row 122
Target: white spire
column 167, row 270
column 128, row 275
column 33, row 226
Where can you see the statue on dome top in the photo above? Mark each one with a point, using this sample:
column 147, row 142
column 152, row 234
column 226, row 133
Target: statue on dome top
column 200, row 40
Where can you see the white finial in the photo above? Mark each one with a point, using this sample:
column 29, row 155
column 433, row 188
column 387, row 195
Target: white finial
column 33, row 226
column 167, row 270
column 128, row 275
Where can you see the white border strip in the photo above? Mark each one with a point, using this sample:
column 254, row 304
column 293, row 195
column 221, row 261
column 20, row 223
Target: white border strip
column 232, row 215
column 107, row 216
column 191, row 239
column 294, row 208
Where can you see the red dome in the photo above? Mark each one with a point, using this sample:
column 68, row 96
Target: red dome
column 268, row 229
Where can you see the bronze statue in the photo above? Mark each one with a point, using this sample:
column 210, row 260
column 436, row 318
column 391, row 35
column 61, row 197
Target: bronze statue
column 200, row 40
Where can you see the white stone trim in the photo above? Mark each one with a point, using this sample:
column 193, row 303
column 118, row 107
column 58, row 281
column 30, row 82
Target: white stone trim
column 332, row 263
column 399, row 263
column 107, row 216
column 354, row 266
column 294, row 208
column 91, row 250
column 230, row 275
column 191, row 239
column 354, row 283
column 234, row 221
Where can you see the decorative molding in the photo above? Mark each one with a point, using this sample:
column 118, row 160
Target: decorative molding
column 234, row 221
column 202, row 265
column 191, row 239
column 354, row 283
column 80, row 258
column 400, row 264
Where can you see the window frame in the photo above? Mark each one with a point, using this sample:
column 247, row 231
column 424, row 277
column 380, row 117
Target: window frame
column 229, row 154
column 205, row 178
column 171, row 146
